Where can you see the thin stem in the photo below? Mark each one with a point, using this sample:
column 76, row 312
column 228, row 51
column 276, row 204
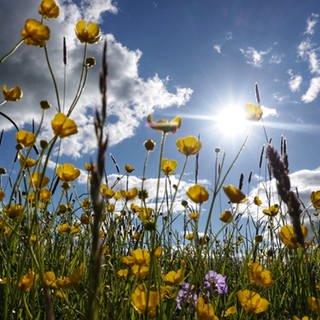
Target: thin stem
column 82, row 81
column 8, row 118
column 12, row 51
column 219, row 186
column 159, row 169
column 53, row 78
column 176, row 189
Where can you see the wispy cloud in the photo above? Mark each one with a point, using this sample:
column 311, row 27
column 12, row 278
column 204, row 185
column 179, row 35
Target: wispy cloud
column 307, row 50
column 130, row 96
column 311, row 23
column 257, row 57
column 254, row 56
column 313, row 90
column 217, row 47
column 294, row 81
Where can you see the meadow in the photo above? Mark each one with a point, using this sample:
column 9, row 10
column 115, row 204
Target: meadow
column 113, row 253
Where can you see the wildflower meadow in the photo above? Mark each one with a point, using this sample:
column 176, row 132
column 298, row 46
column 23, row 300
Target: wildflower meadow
column 111, row 252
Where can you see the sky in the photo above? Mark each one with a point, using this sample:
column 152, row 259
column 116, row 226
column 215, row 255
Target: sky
column 197, row 59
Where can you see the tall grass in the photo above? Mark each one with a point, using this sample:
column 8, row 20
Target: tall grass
column 113, row 252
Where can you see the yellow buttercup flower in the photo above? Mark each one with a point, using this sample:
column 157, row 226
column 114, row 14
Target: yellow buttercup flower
column 189, row 145
column 234, row 194
column 35, row 33
column 26, row 162
column 230, row 311
column 315, row 199
column 314, row 304
column 89, row 166
column 76, row 276
column 168, row 166
column 45, row 195
column 167, row 292
column 158, row 252
column 288, row 237
column 257, row 201
column 205, row 311
column 25, row 138
column 258, row 275
column 13, row 210
column 303, row 318
column 49, row 279
column 63, row 228
column 128, row 168
column 194, row 215
column 226, row 216
column 252, row 302
column 174, row 277
column 63, row 126
column 48, row 9
column 139, row 299
column 144, row 214
column 12, row 94
column 67, row 172
column 130, row 194
column 106, row 192
column 189, row 236
column 38, row 181
column 87, row 32
column 253, row 111
column 26, row 281
column 272, row 211
column 122, row 273
column 139, row 261
column 198, row 194
column 165, row 125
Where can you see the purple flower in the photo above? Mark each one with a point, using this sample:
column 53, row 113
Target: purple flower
column 186, row 294
column 216, row 282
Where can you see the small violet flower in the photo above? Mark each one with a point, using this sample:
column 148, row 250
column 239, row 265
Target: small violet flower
column 186, row 294
column 216, row 281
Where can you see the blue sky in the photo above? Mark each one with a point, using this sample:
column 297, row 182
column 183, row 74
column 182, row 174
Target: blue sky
column 189, row 58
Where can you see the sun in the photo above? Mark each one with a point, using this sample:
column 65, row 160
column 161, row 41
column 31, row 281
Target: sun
column 232, row 121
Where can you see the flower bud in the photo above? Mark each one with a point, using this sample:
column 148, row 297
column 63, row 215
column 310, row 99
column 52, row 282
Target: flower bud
column 90, row 62
column 149, row 145
column 44, row 104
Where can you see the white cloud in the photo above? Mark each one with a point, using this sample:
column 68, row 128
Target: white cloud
column 269, row 112
column 307, row 50
column 311, row 23
column 130, row 97
column 304, row 47
column 217, row 48
column 313, row 90
column 253, row 56
column 305, row 181
column 275, row 59
column 294, row 81
column 314, row 62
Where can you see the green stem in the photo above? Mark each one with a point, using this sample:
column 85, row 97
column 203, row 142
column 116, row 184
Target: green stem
column 27, row 307
column 8, row 118
column 159, row 170
column 12, row 51
column 177, row 187
column 219, row 185
column 52, row 77
column 82, row 81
